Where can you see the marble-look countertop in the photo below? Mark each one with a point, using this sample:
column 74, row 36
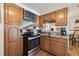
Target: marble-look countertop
column 58, row 36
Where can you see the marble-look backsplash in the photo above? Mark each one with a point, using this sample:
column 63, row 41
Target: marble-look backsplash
column 48, row 26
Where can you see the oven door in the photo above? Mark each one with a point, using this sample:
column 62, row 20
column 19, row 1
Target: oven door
column 33, row 43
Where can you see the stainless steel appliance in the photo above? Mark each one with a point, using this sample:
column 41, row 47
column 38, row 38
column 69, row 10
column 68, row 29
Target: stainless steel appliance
column 30, row 42
column 33, row 43
column 29, row 19
column 29, row 16
column 63, row 31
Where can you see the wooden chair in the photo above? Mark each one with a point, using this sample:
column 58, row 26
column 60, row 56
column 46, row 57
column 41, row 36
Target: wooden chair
column 71, row 36
column 75, row 36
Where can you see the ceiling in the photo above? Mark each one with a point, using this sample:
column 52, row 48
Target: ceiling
column 42, row 8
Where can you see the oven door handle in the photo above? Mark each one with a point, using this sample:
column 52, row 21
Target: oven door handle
column 33, row 38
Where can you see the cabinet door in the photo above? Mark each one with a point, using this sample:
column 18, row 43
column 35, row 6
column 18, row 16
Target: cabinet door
column 58, row 48
column 13, row 13
column 46, row 17
column 53, row 17
column 21, row 15
column 61, row 17
column 42, row 43
column 37, row 21
column 41, row 21
column 47, row 44
column 50, row 17
column 12, row 40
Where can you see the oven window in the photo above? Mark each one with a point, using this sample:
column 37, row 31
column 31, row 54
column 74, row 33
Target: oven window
column 33, row 43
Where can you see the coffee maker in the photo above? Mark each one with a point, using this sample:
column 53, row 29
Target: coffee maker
column 63, row 31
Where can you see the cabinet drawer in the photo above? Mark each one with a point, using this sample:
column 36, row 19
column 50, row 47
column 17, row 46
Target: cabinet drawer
column 62, row 40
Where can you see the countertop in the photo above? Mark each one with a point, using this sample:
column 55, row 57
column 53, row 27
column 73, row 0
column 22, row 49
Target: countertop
column 55, row 35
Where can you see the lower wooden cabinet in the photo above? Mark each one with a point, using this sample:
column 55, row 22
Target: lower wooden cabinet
column 45, row 43
column 13, row 41
column 42, row 43
column 55, row 46
column 58, row 48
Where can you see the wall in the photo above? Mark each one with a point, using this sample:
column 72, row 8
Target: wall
column 73, row 14
column 1, row 31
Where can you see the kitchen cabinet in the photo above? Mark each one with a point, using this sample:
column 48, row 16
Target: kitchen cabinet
column 53, row 17
column 12, row 20
column 46, row 17
column 50, row 17
column 57, row 47
column 61, row 17
column 45, row 43
column 13, row 13
column 21, row 15
column 54, row 45
column 41, row 21
column 37, row 21
column 42, row 42
column 12, row 40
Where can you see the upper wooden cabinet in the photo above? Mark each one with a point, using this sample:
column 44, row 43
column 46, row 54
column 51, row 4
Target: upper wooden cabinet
column 21, row 15
column 41, row 21
column 50, row 17
column 61, row 17
column 53, row 16
column 13, row 13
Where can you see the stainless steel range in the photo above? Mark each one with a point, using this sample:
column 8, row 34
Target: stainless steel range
column 31, row 41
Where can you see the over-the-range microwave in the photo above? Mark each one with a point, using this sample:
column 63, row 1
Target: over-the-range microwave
column 29, row 16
